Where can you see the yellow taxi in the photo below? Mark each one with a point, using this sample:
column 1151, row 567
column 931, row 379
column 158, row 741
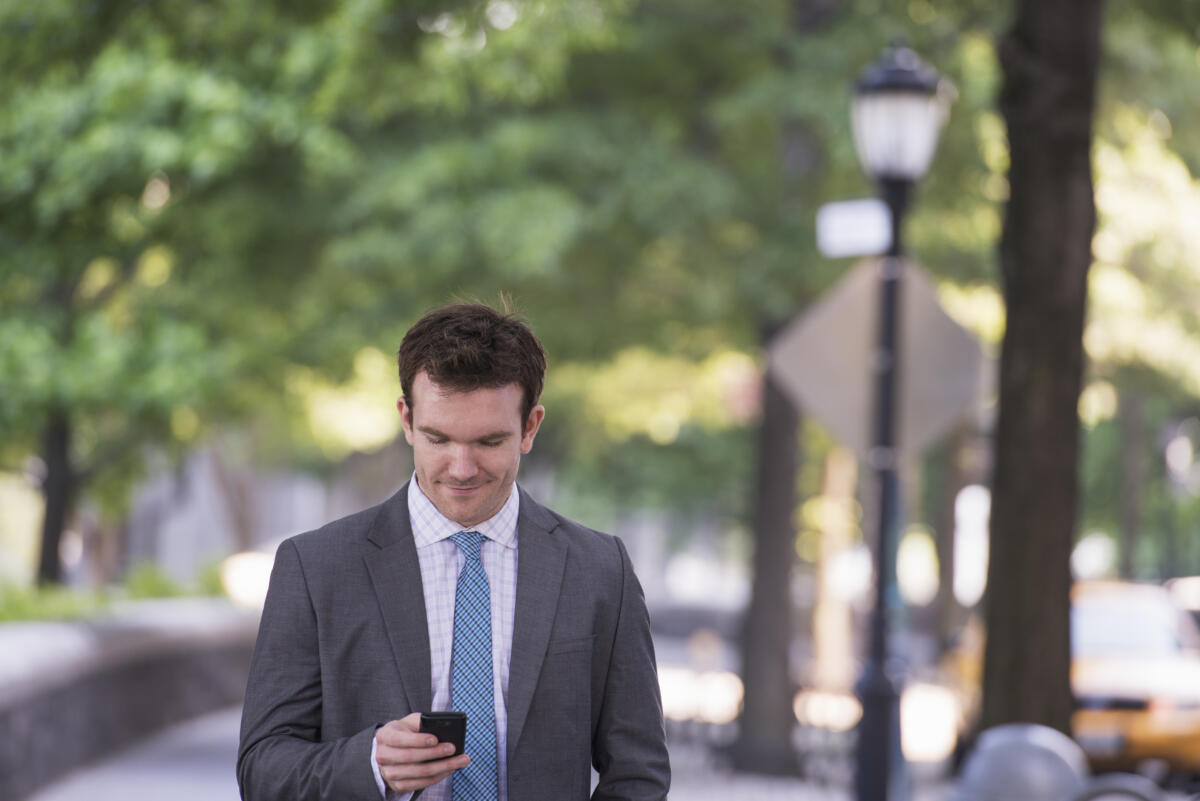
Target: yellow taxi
column 1135, row 670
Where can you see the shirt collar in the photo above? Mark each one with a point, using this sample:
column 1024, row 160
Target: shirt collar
column 430, row 526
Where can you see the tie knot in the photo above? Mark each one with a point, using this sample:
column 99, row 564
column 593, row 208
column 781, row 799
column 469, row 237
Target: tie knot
column 469, row 542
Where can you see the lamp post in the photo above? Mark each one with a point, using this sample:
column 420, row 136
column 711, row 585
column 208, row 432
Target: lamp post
column 899, row 107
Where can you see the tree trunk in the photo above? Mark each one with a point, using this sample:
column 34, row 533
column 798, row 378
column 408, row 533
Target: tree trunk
column 764, row 742
column 1049, row 60
column 1132, row 417
column 58, row 490
column 237, row 492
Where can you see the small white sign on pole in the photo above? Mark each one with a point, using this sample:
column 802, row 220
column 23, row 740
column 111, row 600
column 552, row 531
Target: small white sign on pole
column 854, row 228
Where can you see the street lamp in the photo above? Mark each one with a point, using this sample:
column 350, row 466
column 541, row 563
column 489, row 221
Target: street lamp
column 900, row 105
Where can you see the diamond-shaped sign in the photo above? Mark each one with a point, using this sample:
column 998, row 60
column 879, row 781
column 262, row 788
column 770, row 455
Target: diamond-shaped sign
column 823, row 361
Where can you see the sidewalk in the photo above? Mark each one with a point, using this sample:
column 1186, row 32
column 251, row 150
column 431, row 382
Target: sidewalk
column 194, row 761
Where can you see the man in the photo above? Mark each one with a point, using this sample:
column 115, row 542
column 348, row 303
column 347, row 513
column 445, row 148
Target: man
column 459, row 592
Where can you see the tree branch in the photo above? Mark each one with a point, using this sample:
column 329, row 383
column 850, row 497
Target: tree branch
column 105, row 454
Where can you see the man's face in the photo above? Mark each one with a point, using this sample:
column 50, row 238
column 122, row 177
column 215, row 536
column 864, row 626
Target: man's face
column 467, row 446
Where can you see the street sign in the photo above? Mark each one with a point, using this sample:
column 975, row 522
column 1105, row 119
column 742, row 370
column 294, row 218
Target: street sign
column 822, row 360
column 854, row 228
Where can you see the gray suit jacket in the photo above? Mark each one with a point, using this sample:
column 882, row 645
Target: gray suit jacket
column 344, row 647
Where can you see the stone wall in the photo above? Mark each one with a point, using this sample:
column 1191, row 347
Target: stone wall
column 71, row 693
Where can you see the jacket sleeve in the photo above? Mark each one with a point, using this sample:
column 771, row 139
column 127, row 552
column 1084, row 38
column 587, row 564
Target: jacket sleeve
column 281, row 756
column 629, row 749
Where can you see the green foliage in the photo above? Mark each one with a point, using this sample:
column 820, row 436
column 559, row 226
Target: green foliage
column 209, row 210
column 691, row 474
column 47, row 603
column 144, row 581
column 208, row 580
column 147, row 580
column 153, row 176
column 1141, row 333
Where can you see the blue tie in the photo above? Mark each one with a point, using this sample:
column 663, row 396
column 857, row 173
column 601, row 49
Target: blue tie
column 471, row 689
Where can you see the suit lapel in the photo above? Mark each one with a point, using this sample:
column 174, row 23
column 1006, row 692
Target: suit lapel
column 541, row 558
column 396, row 578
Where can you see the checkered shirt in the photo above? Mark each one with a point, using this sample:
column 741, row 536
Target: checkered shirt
column 441, row 560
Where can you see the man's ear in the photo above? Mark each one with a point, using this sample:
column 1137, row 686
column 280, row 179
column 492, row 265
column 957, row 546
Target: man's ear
column 532, row 423
column 405, row 418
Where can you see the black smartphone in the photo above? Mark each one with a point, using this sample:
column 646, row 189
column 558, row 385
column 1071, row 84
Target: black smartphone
column 448, row 727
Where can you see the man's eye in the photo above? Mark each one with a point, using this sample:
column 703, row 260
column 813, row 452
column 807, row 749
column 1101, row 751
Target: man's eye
column 492, row 443
column 438, row 440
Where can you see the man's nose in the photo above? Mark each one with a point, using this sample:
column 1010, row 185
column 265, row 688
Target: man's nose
column 462, row 463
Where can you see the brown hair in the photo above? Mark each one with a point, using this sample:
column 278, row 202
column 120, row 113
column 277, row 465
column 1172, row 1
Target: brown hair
column 469, row 346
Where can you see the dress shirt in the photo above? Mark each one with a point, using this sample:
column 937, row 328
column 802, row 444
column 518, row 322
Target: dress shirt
column 441, row 560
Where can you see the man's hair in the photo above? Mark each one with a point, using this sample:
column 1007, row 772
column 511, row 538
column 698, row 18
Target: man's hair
column 469, row 346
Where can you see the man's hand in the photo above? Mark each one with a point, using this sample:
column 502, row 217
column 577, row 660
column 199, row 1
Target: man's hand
column 410, row 759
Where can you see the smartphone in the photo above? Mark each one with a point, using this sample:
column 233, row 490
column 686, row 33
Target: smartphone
column 448, row 727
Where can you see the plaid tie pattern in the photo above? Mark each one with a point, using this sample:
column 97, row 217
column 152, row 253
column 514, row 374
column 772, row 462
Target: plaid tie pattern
column 471, row 688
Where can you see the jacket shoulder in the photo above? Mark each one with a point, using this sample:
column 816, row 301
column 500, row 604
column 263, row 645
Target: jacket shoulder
column 355, row 525
column 598, row 547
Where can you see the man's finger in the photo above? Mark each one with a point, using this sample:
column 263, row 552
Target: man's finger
column 392, row 755
column 416, row 775
column 404, row 733
column 399, row 738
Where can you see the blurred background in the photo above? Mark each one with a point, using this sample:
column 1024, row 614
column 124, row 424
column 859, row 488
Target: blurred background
column 218, row 219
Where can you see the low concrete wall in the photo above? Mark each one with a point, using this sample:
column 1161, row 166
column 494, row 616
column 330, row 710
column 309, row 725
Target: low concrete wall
column 71, row 693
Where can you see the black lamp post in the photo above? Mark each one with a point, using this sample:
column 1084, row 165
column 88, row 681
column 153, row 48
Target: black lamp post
column 898, row 111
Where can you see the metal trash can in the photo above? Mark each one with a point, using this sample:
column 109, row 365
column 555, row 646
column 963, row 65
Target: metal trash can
column 1028, row 762
column 1022, row 762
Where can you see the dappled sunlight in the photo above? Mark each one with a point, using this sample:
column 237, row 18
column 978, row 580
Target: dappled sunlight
column 643, row 393
column 349, row 417
column 1094, row 556
column 979, row 309
column 692, row 578
column 157, row 191
column 929, row 716
column 245, row 577
column 1164, row 344
column 1146, row 282
column 917, row 566
column 706, row 696
column 98, row 275
column 1097, row 402
column 972, row 510
column 154, row 266
column 929, row 713
column 22, row 505
column 849, row 575
column 1185, row 591
column 836, row 711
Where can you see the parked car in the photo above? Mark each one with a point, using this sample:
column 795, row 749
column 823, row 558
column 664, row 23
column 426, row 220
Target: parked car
column 1135, row 673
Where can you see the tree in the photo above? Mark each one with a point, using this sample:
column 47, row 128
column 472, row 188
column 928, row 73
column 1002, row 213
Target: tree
column 1050, row 59
column 153, row 177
